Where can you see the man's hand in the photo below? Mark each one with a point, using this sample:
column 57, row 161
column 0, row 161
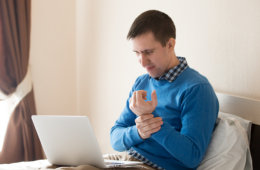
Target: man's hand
column 139, row 106
column 147, row 124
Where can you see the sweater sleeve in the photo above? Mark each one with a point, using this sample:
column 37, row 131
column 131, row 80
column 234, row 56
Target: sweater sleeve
column 124, row 134
column 199, row 112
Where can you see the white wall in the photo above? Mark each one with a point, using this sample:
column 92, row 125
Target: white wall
column 219, row 38
column 52, row 56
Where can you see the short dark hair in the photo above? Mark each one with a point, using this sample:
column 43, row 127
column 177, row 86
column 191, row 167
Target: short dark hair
column 159, row 23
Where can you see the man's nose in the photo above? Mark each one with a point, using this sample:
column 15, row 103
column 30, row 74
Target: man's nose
column 144, row 61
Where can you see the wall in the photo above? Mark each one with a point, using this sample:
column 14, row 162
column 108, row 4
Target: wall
column 52, row 56
column 91, row 66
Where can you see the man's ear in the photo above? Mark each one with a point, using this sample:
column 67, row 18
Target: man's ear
column 171, row 43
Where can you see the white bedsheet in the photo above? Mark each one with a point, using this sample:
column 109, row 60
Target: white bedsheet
column 42, row 165
column 32, row 165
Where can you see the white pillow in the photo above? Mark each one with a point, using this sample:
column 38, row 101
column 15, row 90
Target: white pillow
column 229, row 147
column 246, row 124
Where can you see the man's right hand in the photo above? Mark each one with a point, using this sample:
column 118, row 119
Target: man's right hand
column 139, row 105
column 147, row 124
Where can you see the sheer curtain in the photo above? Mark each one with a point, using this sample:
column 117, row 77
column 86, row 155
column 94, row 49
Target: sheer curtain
column 21, row 142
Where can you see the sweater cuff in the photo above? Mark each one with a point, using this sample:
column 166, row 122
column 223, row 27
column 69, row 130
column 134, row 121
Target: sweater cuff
column 133, row 137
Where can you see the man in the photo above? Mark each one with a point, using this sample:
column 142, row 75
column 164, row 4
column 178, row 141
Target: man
column 171, row 111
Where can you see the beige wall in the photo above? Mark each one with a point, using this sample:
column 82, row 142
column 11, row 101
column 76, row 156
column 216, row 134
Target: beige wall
column 53, row 59
column 92, row 67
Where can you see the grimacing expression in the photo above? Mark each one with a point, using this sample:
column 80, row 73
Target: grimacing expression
column 154, row 57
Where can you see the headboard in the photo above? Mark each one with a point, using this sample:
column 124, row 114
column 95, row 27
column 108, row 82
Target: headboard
column 248, row 109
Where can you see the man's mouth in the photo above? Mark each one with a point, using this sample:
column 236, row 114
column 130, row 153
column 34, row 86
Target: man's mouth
column 150, row 68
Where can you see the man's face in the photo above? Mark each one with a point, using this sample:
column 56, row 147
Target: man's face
column 155, row 58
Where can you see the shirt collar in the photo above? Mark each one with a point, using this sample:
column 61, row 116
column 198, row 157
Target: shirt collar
column 174, row 72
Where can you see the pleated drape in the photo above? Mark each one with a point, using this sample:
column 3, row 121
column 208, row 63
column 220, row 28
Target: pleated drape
column 21, row 142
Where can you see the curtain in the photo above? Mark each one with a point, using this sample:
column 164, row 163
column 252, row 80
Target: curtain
column 21, row 142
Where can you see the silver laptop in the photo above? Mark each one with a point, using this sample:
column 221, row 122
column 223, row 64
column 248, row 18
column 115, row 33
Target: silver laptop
column 70, row 140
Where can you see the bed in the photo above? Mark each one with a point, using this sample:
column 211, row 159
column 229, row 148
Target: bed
column 235, row 142
column 248, row 109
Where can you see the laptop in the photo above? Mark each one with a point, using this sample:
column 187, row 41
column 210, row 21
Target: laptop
column 70, row 140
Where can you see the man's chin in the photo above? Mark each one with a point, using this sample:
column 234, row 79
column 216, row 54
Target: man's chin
column 153, row 76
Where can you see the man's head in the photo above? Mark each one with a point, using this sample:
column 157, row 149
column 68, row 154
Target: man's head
column 153, row 37
column 157, row 22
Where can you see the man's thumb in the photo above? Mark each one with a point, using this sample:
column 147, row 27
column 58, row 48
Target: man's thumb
column 154, row 98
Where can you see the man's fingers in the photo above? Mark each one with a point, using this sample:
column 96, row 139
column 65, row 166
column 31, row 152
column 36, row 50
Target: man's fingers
column 143, row 118
column 141, row 95
column 154, row 98
column 152, row 120
column 145, row 123
column 154, row 130
column 157, row 123
column 144, row 95
column 130, row 101
column 133, row 100
column 147, row 134
column 139, row 105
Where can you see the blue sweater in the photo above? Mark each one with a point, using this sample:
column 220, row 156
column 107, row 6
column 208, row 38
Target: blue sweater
column 188, row 107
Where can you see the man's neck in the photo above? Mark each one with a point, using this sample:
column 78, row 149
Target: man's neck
column 174, row 62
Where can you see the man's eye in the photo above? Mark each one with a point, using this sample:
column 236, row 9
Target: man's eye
column 148, row 52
